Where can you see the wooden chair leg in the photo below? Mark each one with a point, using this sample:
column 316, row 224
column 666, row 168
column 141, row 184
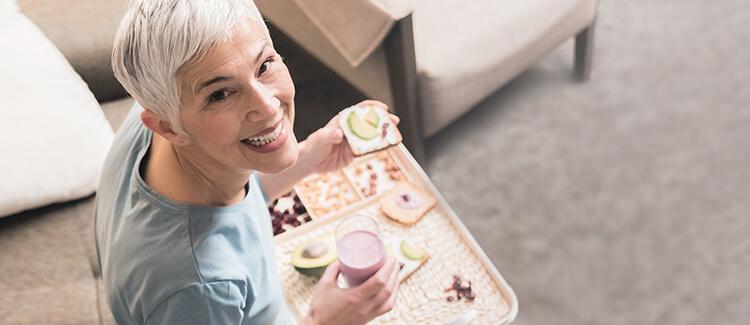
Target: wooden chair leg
column 402, row 72
column 584, row 51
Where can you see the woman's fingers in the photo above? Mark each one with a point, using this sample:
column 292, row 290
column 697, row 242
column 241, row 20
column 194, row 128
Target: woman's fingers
column 390, row 302
column 376, row 103
column 348, row 155
column 395, row 119
column 331, row 274
column 333, row 121
column 337, row 135
column 389, row 290
column 379, row 280
column 341, row 156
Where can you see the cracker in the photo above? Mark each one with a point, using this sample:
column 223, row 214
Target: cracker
column 407, row 266
column 365, row 134
column 406, row 203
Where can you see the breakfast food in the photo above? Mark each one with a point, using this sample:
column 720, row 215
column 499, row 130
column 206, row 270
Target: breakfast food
column 462, row 288
column 287, row 212
column 406, row 203
column 368, row 128
column 375, row 174
column 325, row 193
column 313, row 256
column 412, row 251
column 409, row 256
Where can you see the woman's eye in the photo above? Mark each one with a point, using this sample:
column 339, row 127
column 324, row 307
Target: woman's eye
column 264, row 67
column 218, row 96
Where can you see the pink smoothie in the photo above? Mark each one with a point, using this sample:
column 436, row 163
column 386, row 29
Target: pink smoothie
column 361, row 254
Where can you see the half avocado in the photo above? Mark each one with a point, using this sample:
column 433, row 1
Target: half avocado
column 313, row 256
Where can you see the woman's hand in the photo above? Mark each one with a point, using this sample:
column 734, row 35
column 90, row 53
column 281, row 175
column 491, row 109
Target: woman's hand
column 326, row 150
column 359, row 305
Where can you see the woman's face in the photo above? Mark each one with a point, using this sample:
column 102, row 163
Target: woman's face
column 238, row 104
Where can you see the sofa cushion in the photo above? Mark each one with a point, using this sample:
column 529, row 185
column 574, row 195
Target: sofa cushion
column 53, row 134
column 84, row 31
column 46, row 278
column 468, row 54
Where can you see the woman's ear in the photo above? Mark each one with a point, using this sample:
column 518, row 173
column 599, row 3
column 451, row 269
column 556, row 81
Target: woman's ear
column 163, row 128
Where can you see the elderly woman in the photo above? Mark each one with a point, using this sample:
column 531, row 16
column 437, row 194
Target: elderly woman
column 182, row 230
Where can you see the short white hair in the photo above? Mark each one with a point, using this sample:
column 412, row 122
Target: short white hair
column 157, row 38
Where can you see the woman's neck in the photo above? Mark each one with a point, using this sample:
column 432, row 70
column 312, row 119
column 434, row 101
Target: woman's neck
column 186, row 178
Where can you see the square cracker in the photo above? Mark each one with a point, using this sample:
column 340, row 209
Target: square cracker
column 389, row 203
column 359, row 146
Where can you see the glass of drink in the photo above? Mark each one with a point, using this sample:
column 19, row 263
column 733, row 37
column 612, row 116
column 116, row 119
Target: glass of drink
column 361, row 252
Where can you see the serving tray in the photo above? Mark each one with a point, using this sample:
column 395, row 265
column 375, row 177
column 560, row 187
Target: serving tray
column 423, row 298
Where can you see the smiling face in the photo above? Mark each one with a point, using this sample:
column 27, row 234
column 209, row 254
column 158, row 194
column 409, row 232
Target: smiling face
column 238, row 105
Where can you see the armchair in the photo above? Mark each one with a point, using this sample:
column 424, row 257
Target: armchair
column 432, row 60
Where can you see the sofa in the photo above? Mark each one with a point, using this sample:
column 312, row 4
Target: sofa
column 47, row 254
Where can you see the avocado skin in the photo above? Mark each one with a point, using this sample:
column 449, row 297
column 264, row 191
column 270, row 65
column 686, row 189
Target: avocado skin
column 315, row 272
column 302, row 264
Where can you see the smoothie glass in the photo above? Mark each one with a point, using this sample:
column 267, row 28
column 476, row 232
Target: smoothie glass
column 361, row 252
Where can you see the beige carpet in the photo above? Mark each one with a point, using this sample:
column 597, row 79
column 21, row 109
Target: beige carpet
column 624, row 200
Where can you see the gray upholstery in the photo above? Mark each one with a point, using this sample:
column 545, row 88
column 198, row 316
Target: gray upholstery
column 83, row 30
column 47, row 256
column 464, row 50
column 44, row 262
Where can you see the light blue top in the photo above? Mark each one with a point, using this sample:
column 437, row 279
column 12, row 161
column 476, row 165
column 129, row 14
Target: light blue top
column 164, row 262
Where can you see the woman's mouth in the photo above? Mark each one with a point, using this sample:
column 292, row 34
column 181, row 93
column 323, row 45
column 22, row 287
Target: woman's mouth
column 270, row 141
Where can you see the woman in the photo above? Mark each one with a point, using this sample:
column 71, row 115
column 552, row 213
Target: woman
column 183, row 234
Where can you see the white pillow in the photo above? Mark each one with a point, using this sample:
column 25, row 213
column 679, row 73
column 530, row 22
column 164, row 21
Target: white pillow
column 53, row 134
column 7, row 6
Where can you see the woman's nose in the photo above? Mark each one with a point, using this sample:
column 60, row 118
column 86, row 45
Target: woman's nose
column 263, row 104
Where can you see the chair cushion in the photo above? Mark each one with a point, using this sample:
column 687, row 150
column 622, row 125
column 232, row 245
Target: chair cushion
column 53, row 134
column 467, row 50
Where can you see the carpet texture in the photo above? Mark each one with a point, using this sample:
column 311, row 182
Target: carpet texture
column 625, row 199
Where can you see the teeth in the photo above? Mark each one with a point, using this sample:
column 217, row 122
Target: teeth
column 267, row 138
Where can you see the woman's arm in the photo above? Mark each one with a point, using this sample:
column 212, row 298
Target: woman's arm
column 323, row 151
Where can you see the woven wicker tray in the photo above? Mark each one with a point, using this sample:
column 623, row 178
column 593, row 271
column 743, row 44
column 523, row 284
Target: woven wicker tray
column 422, row 297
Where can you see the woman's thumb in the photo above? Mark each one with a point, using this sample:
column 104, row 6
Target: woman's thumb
column 337, row 135
column 331, row 274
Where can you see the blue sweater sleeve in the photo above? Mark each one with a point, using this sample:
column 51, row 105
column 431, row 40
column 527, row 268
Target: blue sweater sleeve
column 208, row 303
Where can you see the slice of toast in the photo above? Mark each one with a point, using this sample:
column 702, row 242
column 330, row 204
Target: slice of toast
column 407, row 265
column 406, row 203
column 368, row 128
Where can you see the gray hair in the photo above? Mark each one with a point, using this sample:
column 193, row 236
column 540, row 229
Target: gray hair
column 156, row 38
